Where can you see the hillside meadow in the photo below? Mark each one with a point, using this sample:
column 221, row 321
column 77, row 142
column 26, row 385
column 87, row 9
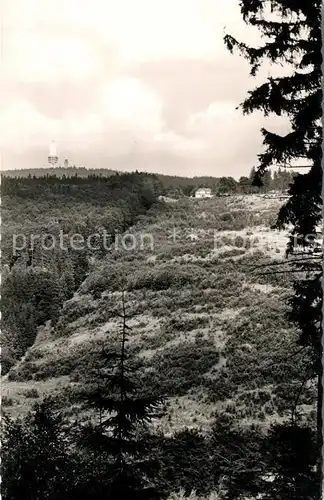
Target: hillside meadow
column 208, row 325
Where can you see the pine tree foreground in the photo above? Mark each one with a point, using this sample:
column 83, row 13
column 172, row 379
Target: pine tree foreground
column 122, row 413
column 292, row 30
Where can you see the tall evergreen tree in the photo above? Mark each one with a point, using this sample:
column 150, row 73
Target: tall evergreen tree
column 253, row 187
column 267, row 182
column 252, row 174
column 292, row 31
column 123, row 413
column 245, row 185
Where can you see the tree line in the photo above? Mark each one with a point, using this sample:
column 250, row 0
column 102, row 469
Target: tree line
column 280, row 181
column 56, row 182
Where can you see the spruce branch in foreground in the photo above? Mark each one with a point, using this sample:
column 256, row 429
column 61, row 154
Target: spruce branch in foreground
column 124, row 412
column 292, row 33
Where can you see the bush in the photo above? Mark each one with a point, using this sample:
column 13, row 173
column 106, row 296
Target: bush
column 75, row 309
column 6, row 401
column 23, row 372
column 107, row 277
column 184, row 463
column 164, row 277
column 183, row 324
column 31, row 393
column 178, row 370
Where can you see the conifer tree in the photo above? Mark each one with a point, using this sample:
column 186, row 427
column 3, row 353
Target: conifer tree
column 252, row 174
column 294, row 39
column 290, row 454
column 123, row 411
column 292, row 32
column 267, row 182
column 245, row 185
column 275, row 180
column 37, row 463
column 253, row 188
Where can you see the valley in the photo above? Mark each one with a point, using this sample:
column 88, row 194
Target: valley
column 208, row 328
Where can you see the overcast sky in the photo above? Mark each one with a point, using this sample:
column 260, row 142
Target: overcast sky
column 127, row 84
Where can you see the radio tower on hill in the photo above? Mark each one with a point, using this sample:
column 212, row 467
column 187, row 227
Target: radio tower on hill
column 52, row 157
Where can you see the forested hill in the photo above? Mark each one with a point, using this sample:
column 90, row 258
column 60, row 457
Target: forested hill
column 177, row 184
column 48, row 206
column 93, row 188
column 169, row 184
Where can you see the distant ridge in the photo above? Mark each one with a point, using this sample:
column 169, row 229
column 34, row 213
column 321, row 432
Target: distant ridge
column 171, row 185
column 85, row 172
column 58, row 171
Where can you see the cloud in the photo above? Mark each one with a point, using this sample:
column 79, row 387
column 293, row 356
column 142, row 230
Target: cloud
column 131, row 103
column 23, row 127
column 50, row 60
column 145, row 29
column 232, row 140
column 146, row 84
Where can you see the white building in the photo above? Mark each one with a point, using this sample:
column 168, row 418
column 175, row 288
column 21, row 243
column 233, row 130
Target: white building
column 203, row 193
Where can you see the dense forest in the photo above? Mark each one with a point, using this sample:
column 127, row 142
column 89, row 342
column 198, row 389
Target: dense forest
column 38, row 275
column 279, row 180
